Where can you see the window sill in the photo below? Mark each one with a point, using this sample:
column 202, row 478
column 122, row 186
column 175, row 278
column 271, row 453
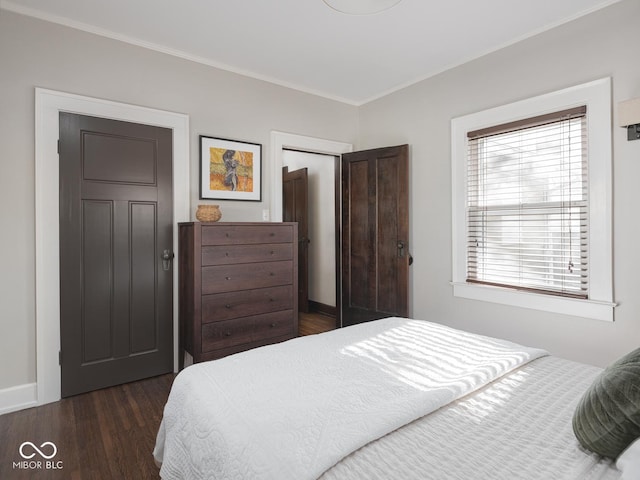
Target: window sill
column 597, row 310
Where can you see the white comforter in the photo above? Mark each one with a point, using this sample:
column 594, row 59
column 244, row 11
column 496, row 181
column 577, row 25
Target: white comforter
column 516, row 428
column 293, row 410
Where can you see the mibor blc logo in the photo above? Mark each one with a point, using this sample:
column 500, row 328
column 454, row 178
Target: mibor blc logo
column 38, row 457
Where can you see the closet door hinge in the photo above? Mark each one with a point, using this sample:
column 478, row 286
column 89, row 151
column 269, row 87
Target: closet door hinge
column 60, row 357
column 58, row 146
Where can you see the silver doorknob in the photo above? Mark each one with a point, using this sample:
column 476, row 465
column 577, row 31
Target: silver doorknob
column 167, row 256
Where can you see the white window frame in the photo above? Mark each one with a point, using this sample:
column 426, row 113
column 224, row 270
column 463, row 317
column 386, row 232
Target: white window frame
column 596, row 96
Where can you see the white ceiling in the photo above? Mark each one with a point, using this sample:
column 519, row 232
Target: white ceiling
column 306, row 45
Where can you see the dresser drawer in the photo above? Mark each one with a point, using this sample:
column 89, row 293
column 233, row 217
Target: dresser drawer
column 223, row 352
column 228, row 254
column 229, row 278
column 224, row 306
column 225, row 334
column 246, row 234
column 218, row 335
column 274, row 324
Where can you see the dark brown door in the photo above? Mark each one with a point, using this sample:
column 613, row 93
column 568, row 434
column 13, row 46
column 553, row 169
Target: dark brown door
column 115, row 225
column 375, row 234
column 295, row 188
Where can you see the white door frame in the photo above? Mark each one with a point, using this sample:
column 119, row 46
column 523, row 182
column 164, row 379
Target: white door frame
column 48, row 105
column 280, row 141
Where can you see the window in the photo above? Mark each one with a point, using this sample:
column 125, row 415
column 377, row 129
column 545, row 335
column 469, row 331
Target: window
column 532, row 203
column 527, row 204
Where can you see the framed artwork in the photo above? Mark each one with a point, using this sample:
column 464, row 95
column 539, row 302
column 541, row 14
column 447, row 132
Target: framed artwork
column 230, row 170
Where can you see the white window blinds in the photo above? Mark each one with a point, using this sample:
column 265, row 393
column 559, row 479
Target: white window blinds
column 527, row 204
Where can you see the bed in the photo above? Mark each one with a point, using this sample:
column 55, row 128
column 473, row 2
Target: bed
column 393, row 398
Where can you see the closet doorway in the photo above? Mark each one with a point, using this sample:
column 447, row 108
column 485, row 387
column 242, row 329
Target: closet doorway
column 310, row 196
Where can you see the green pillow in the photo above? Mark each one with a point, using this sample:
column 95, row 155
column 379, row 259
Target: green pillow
column 607, row 419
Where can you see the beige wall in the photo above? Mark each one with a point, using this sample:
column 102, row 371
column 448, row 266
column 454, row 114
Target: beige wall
column 39, row 54
column 599, row 45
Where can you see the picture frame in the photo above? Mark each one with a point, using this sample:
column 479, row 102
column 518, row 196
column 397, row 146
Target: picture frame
column 230, row 169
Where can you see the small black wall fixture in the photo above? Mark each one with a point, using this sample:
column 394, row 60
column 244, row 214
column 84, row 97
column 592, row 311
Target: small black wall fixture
column 633, row 132
column 629, row 117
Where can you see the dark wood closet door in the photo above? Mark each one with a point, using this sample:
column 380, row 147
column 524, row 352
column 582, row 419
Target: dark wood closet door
column 375, row 234
column 295, row 205
column 115, row 224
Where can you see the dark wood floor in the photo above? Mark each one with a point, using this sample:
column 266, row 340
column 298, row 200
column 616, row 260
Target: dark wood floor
column 107, row 434
column 312, row 323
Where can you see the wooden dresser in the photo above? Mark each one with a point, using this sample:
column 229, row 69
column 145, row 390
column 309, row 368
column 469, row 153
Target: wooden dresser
column 238, row 287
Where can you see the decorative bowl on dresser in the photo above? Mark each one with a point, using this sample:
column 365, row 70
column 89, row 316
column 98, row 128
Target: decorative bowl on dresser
column 238, row 286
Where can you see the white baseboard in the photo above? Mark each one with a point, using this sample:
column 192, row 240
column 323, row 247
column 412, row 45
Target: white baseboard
column 18, row 398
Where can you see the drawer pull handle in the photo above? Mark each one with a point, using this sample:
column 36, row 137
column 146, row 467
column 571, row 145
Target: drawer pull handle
column 274, row 325
column 226, row 254
column 271, row 299
column 272, row 252
column 227, row 306
column 272, row 234
column 271, row 274
column 227, row 333
column 228, row 278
